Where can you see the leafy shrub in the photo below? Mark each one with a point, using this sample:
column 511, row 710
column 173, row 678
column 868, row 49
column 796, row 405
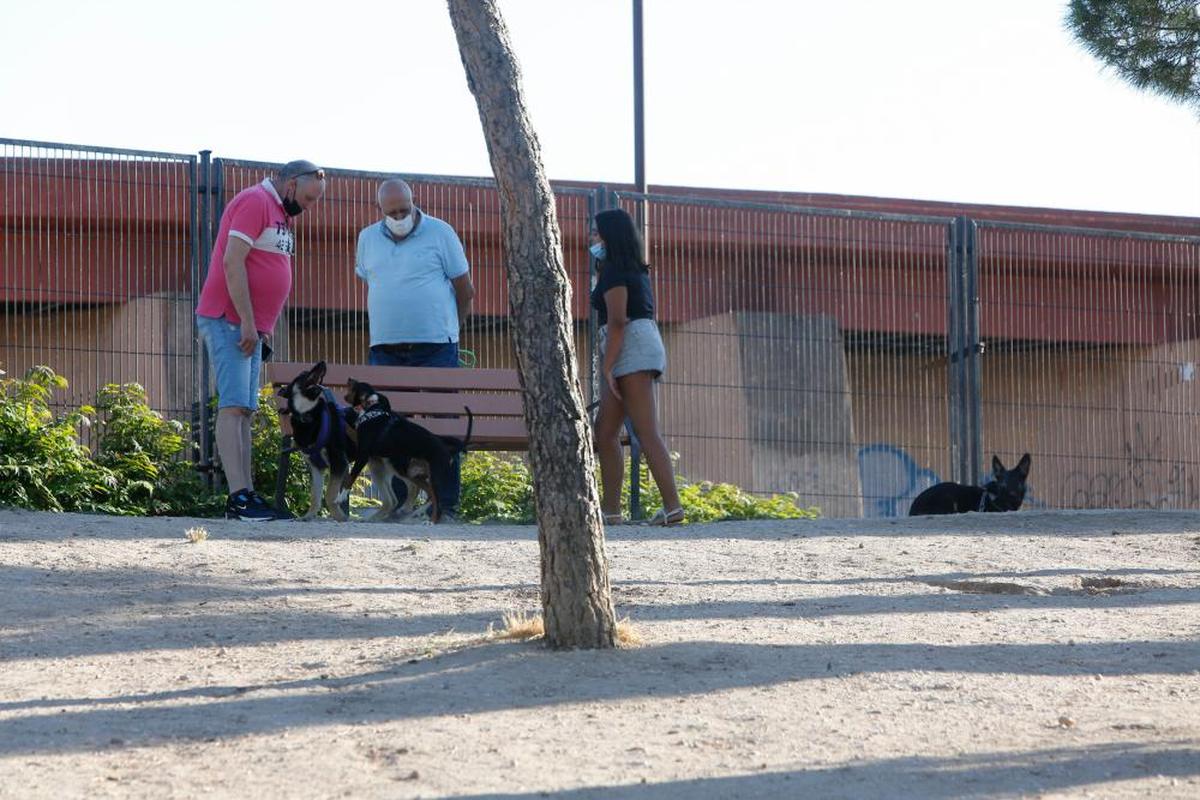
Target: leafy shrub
column 147, row 453
column 495, row 488
column 498, row 487
column 42, row 463
column 706, row 501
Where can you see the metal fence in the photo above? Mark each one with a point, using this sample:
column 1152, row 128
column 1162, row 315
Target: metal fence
column 1090, row 343
column 852, row 358
column 789, row 333
column 97, row 264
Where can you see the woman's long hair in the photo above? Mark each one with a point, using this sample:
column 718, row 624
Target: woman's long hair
column 623, row 246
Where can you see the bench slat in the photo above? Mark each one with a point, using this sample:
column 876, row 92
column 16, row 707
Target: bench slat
column 488, row 434
column 493, row 405
column 497, row 405
column 500, row 380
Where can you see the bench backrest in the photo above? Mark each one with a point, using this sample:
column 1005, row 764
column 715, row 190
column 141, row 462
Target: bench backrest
column 435, row 397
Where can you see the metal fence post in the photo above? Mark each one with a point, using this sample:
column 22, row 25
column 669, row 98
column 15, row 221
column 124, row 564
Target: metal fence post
column 203, row 247
column 964, row 383
column 973, row 365
column 596, row 202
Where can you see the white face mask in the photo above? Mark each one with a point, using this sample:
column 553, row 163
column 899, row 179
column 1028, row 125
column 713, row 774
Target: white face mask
column 598, row 251
column 400, row 227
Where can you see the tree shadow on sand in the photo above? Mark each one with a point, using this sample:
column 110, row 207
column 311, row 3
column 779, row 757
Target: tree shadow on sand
column 1007, row 774
column 494, row 676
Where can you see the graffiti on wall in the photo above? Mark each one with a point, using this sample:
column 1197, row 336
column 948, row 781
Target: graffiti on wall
column 890, row 480
column 1144, row 477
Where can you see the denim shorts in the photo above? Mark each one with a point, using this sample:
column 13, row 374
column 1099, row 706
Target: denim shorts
column 237, row 374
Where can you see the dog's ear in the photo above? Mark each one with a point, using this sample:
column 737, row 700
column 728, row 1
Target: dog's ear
column 997, row 467
column 1023, row 466
column 315, row 375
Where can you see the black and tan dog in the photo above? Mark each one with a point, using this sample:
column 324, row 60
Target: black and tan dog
column 1004, row 492
column 395, row 446
column 321, row 428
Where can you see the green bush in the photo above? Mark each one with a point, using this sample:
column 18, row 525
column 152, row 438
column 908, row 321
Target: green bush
column 495, row 488
column 498, row 488
column 706, row 501
column 42, row 463
column 147, row 453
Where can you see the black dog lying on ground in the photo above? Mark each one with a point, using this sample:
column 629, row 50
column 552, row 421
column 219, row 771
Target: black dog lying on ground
column 398, row 447
column 1004, row 492
column 321, row 428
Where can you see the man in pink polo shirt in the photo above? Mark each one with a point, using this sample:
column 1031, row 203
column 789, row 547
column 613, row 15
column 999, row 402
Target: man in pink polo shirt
column 248, row 282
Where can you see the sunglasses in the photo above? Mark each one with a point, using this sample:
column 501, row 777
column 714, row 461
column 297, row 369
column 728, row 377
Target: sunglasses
column 319, row 174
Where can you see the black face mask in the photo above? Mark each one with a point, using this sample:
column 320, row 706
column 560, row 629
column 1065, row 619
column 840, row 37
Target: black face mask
column 291, row 207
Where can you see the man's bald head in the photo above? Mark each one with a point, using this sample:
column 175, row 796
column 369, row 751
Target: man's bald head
column 394, row 188
column 396, row 204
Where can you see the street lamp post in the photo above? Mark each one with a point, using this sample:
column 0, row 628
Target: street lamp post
column 639, row 181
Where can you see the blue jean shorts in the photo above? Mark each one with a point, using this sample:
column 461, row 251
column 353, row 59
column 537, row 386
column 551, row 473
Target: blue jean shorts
column 238, row 374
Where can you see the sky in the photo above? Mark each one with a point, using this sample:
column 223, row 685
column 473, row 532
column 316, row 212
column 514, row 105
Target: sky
column 984, row 101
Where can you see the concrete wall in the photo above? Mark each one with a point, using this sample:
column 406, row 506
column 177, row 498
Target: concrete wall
column 1112, row 427
column 763, row 401
column 148, row 340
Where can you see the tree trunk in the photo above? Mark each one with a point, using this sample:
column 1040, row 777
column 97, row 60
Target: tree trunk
column 576, row 598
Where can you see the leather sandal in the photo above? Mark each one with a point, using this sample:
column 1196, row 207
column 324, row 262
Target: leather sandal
column 615, row 519
column 664, row 517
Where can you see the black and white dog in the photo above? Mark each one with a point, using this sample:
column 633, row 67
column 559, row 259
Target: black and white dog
column 321, row 428
column 395, row 446
column 1004, row 492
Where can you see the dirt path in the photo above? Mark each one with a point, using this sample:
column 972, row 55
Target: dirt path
column 1033, row 654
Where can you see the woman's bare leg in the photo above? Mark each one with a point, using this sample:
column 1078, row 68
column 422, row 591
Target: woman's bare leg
column 609, row 420
column 637, row 391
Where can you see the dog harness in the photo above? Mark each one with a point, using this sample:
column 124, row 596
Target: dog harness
column 374, row 412
column 331, row 410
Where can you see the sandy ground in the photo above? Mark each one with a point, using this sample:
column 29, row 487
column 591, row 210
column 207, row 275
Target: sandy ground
column 995, row 655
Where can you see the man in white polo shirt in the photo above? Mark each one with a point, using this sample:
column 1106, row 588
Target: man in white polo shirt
column 419, row 293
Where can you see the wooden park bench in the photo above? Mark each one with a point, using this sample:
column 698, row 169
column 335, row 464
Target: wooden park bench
column 433, row 397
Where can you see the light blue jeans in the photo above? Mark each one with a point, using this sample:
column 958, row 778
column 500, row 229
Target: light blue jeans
column 237, row 374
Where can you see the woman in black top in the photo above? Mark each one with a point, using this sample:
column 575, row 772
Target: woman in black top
column 632, row 358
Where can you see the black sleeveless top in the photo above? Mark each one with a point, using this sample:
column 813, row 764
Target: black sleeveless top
column 640, row 302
